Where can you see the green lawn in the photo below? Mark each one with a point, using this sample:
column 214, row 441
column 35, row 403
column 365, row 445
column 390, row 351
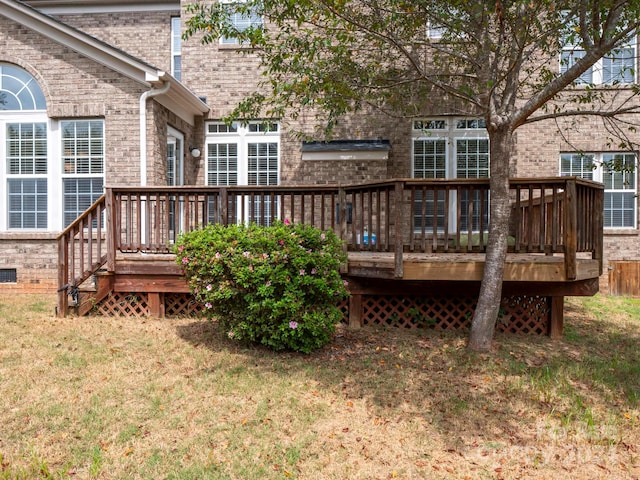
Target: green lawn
column 113, row 398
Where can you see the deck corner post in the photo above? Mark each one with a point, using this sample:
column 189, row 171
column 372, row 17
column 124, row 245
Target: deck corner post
column 110, row 216
column 570, row 229
column 556, row 318
column 598, row 253
column 355, row 311
column 63, row 277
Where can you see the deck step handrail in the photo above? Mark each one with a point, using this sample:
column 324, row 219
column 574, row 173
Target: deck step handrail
column 81, row 252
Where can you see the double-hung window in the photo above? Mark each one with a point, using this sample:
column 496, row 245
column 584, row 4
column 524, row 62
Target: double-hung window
column 27, row 182
column 245, row 155
column 83, row 165
column 616, row 67
column 176, row 48
column 241, row 19
column 618, row 172
column 449, row 148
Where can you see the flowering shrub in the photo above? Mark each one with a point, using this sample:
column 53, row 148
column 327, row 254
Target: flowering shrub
column 278, row 285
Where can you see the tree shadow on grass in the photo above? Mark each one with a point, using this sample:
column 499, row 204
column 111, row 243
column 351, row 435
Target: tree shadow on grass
column 430, row 375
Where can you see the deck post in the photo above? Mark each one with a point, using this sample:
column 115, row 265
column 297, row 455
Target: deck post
column 570, row 229
column 399, row 216
column 156, row 304
column 598, row 225
column 110, row 214
column 355, row 311
column 556, row 319
column 63, row 277
column 224, row 206
column 342, row 201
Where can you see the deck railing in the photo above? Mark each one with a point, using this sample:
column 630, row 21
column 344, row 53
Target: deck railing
column 560, row 215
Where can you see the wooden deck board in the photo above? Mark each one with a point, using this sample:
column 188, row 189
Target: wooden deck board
column 469, row 266
column 537, row 268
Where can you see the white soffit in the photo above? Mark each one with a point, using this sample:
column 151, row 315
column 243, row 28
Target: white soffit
column 78, row 7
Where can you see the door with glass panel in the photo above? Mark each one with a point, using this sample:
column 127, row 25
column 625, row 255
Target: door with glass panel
column 175, row 177
column 244, row 155
column 450, row 148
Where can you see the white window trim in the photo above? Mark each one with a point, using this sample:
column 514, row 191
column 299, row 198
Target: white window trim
column 597, row 70
column 450, row 134
column 54, row 187
column 176, row 52
column 232, row 41
column 59, row 159
column 242, row 137
column 176, row 137
column 598, row 176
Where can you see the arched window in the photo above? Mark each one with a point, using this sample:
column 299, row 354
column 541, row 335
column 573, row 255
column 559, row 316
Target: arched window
column 19, row 90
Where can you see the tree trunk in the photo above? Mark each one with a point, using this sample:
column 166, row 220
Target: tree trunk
column 486, row 313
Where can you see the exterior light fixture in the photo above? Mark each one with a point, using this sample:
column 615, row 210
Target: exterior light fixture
column 195, row 152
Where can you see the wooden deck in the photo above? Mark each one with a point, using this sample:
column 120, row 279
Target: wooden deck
column 430, row 236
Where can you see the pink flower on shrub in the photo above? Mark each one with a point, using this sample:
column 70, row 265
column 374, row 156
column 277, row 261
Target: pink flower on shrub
column 345, row 283
column 287, row 222
column 231, row 334
column 218, row 255
column 246, row 254
column 293, row 325
column 302, row 272
column 181, row 248
column 208, row 305
column 265, row 255
column 185, row 260
column 323, row 237
column 313, row 271
column 281, row 242
column 209, row 287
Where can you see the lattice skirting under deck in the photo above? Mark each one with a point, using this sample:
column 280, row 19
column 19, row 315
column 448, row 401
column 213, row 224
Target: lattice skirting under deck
column 520, row 314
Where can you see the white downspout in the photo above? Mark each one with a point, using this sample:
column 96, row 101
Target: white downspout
column 154, row 92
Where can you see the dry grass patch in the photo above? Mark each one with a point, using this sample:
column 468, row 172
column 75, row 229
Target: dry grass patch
column 113, row 398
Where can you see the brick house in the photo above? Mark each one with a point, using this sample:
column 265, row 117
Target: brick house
column 102, row 93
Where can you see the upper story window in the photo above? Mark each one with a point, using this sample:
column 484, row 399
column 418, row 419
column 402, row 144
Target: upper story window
column 241, row 20
column 19, row 90
column 176, row 48
column 618, row 172
column 616, row 67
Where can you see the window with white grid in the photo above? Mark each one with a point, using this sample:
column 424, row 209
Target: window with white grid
column 27, row 184
column 616, row 67
column 619, row 172
column 244, row 155
column 176, row 48
column 448, row 148
column 83, row 165
column 241, row 19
